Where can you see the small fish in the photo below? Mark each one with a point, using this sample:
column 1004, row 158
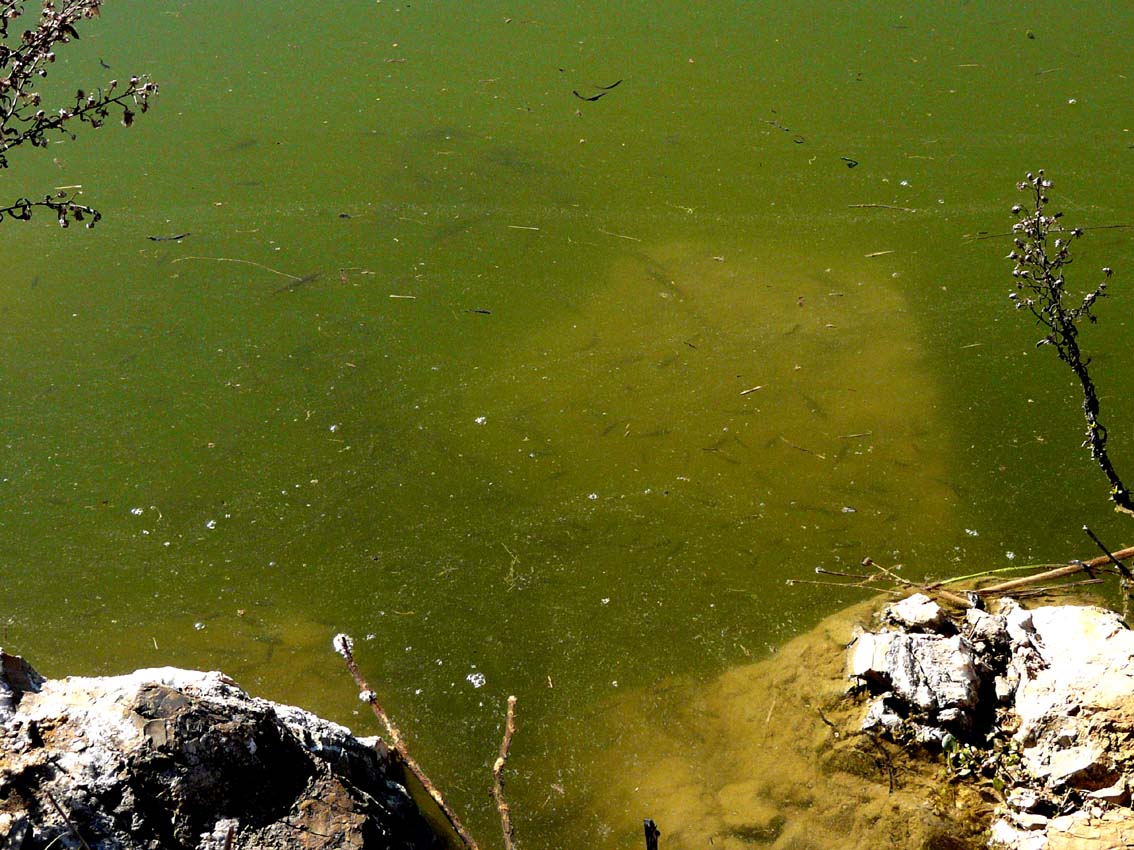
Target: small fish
column 244, row 144
column 479, row 310
column 176, row 238
column 611, row 86
column 103, row 64
column 299, row 281
column 591, row 99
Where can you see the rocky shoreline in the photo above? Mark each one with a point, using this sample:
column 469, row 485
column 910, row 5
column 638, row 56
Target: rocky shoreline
column 1008, row 728
column 168, row 758
column 1037, row 705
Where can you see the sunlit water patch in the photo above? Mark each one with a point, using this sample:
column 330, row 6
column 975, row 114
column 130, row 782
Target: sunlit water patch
column 775, row 399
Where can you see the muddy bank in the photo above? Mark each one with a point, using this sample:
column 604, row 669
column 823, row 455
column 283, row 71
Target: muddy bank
column 1007, row 730
column 769, row 755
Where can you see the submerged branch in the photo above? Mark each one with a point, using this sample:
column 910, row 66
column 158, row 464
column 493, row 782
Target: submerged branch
column 343, row 646
column 498, row 780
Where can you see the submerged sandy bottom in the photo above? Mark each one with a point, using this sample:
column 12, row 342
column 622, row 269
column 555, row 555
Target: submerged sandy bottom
column 765, row 755
column 781, row 386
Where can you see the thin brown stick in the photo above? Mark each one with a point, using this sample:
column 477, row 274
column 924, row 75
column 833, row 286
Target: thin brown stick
column 344, row 646
column 948, row 596
column 66, row 820
column 1060, row 572
column 1049, row 589
column 880, row 207
column 243, row 262
column 498, row 780
column 1121, row 567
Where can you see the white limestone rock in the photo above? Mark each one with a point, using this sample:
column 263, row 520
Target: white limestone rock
column 1063, row 681
column 169, row 758
column 917, row 613
column 933, row 676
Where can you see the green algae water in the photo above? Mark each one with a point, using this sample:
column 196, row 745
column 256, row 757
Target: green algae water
column 539, row 347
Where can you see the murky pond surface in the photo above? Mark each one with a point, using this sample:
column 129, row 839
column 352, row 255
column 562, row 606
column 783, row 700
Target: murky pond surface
column 533, row 392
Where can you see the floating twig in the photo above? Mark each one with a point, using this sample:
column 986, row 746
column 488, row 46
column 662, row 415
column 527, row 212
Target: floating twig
column 881, row 207
column 965, row 598
column 245, row 262
column 619, row 235
column 1059, row 572
column 803, row 448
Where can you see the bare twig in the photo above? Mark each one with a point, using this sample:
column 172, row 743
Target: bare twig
column 498, row 779
column 803, row 448
column 947, row 595
column 1121, row 567
column 292, row 277
column 1042, row 252
column 344, row 646
column 1124, row 576
column 881, row 207
column 66, row 819
column 887, row 579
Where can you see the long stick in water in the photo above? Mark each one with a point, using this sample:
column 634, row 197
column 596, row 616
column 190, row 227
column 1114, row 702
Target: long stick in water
column 1060, row 572
column 344, row 646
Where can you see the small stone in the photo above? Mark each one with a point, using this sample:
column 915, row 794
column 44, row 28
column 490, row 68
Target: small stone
column 1024, row 799
column 1116, row 793
column 1005, row 835
column 1017, row 621
column 917, row 612
column 988, row 628
column 1005, row 687
column 1078, row 767
column 1031, row 822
